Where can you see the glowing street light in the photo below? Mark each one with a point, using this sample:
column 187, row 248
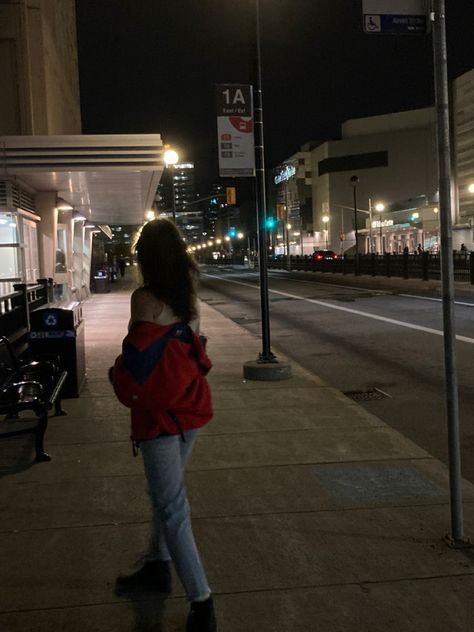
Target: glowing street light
column 325, row 220
column 380, row 208
column 149, row 215
column 240, row 235
column 170, row 157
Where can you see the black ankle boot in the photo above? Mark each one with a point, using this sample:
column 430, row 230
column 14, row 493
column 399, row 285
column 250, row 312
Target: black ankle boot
column 201, row 617
column 152, row 576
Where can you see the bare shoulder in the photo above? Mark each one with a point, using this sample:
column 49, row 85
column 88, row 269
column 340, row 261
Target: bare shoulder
column 144, row 306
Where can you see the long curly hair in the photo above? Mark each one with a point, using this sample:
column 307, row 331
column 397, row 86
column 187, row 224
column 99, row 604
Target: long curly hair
column 169, row 272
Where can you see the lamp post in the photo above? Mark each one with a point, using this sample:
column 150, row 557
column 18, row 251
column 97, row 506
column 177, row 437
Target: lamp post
column 267, row 365
column 436, row 211
column 354, row 182
column 371, row 248
column 171, row 158
column 325, row 220
column 380, row 208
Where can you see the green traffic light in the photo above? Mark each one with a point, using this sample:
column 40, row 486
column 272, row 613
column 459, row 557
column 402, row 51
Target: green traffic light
column 270, row 222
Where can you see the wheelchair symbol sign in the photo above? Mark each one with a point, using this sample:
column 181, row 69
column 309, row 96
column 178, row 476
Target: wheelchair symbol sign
column 373, row 24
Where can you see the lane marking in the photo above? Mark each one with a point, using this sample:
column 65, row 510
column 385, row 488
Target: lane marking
column 392, row 321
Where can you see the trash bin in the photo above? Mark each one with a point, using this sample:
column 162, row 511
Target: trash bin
column 101, row 282
column 60, row 331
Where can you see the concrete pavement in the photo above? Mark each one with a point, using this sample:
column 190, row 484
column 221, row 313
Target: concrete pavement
column 311, row 514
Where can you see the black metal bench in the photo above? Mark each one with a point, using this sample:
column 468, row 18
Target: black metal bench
column 29, row 385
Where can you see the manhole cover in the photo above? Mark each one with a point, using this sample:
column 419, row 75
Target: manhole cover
column 367, row 395
column 245, row 321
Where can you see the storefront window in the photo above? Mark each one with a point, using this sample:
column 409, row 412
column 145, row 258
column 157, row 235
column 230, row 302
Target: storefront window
column 9, row 264
column 61, row 249
column 8, row 228
column 9, row 251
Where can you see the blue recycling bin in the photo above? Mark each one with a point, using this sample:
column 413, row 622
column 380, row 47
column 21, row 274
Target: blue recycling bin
column 60, row 331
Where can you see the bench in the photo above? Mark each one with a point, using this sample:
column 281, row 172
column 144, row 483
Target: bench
column 29, row 385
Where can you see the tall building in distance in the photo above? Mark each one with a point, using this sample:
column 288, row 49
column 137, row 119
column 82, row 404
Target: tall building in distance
column 176, row 195
column 211, row 210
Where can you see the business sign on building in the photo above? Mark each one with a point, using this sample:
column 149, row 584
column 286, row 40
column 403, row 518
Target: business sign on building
column 385, row 223
column 287, row 172
column 235, row 130
column 396, row 17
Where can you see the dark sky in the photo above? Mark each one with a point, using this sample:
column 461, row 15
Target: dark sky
column 150, row 66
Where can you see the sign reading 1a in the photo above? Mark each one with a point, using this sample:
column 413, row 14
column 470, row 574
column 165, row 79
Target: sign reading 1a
column 235, row 130
column 234, row 100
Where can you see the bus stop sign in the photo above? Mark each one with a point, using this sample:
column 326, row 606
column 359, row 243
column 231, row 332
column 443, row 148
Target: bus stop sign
column 395, row 17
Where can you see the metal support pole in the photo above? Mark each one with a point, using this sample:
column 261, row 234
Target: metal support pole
column 382, row 249
column 266, row 355
column 447, row 269
column 370, row 225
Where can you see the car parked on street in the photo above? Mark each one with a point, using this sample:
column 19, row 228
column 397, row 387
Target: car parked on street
column 324, row 255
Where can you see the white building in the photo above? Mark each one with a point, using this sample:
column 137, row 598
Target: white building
column 463, row 134
column 392, row 159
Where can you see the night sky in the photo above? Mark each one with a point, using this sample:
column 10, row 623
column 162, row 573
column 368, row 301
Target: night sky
column 149, row 66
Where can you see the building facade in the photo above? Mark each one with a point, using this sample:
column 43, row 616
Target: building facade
column 38, row 68
column 290, row 204
column 384, row 160
column 463, row 135
column 58, row 188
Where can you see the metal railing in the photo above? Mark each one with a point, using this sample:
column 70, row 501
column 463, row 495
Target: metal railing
column 15, row 307
column 424, row 266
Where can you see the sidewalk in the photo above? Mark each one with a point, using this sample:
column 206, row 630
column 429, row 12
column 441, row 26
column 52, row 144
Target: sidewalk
column 311, row 514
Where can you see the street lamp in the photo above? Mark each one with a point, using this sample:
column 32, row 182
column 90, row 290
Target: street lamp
column 171, row 158
column 380, row 208
column 436, row 211
column 325, row 219
column 354, row 181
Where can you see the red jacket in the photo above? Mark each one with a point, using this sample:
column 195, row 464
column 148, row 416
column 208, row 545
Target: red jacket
column 160, row 376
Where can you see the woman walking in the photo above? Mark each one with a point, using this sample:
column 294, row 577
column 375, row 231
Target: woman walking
column 160, row 376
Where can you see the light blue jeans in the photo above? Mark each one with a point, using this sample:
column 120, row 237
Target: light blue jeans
column 172, row 536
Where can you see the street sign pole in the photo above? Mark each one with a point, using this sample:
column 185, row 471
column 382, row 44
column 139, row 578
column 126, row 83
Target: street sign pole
column 410, row 17
column 266, row 354
column 438, row 16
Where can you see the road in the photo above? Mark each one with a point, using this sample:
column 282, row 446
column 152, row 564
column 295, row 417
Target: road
column 356, row 339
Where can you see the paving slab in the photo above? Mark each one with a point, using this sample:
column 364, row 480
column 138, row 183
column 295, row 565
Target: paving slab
column 275, row 552
column 223, row 493
column 407, row 605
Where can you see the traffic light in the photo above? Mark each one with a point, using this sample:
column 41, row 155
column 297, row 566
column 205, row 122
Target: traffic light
column 270, row 222
column 213, row 201
column 232, row 232
column 230, row 195
column 281, row 211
